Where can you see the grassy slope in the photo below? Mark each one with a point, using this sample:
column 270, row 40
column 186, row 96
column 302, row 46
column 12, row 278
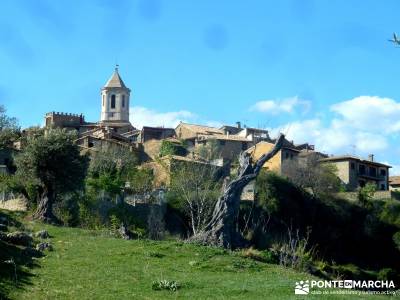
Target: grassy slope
column 86, row 265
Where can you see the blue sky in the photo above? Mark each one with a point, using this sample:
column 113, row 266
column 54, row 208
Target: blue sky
column 321, row 71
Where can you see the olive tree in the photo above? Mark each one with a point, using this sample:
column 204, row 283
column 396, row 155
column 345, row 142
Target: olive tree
column 53, row 164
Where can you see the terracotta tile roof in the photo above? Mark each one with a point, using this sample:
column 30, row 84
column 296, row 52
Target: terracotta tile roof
column 352, row 157
column 224, row 137
column 201, row 129
column 394, row 180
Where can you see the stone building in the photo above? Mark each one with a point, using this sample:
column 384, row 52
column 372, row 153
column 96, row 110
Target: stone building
column 114, row 127
column 115, row 100
column 394, row 183
column 355, row 172
column 281, row 163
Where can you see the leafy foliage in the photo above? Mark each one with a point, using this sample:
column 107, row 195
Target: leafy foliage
column 172, row 148
column 281, row 205
column 9, row 129
column 52, row 162
column 209, row 151
column 366, row 193
column 109, row 170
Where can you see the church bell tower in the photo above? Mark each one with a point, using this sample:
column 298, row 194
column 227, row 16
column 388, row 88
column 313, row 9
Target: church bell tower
column 115, row 97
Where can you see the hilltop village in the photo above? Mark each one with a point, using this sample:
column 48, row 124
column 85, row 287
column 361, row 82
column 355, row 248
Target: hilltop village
column 115, row 129
column 175, row 190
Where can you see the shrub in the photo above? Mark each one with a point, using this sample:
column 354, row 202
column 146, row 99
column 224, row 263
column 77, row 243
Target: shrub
column 396, row 240
column 294, row 252
column 155, row 224
column 263, row 256
column 387, row 274
column 366, row 193
column 165, row 285
column 171, row 148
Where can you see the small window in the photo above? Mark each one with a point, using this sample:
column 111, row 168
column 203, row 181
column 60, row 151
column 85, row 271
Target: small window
column 123, row 100
column 361, row 169
column 352, row 166
column 383, row 172
column 287, row 155
column 112, row 101
column 383, row 187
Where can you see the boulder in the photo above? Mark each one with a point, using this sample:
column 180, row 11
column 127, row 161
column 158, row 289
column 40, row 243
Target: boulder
column 44, row 246
column 19, row 238
column 43, row 234
column 32, row 252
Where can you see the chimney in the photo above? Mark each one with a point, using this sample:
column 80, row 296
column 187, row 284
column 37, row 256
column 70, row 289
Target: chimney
column 238, row 125
column 371, row 157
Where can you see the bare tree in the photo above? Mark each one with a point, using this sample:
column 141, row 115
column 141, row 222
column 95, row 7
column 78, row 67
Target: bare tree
column 222, row 229
column 196, row 185
column 309, row 173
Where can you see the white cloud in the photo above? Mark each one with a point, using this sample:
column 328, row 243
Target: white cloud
column 142, row 116
column 362, row 125
column 287, row 105
column 370, row 113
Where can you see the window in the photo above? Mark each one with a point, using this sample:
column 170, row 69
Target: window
column 383, row 172
column 352, row 166
column 123, row 100
column 372, row 171
column 112, row 101
column 361, row 169
column 244, row 146
column 103, row 100
column 287, row 155
column 383, row 187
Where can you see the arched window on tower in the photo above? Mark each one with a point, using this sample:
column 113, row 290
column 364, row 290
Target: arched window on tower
column 123, row 100
column 112, row 101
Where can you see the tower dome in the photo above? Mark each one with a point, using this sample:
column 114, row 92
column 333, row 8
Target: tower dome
column 115, row 100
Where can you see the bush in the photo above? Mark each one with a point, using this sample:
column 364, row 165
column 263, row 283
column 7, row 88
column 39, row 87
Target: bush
column 155, row 224
column 265, row 256
column 387, row 274
column 396, row 240
column 366, row 193
column 165, row 285
column 171, row 148
column 294, row 252
column 67, row 210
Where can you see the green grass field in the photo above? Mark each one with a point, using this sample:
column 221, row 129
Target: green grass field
column 90, row 265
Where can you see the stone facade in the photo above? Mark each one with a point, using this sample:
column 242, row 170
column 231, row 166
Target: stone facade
column 355, row 172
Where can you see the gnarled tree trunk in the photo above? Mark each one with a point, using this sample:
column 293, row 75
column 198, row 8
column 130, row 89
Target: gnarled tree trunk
column 222, row 229
column 44, row 211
